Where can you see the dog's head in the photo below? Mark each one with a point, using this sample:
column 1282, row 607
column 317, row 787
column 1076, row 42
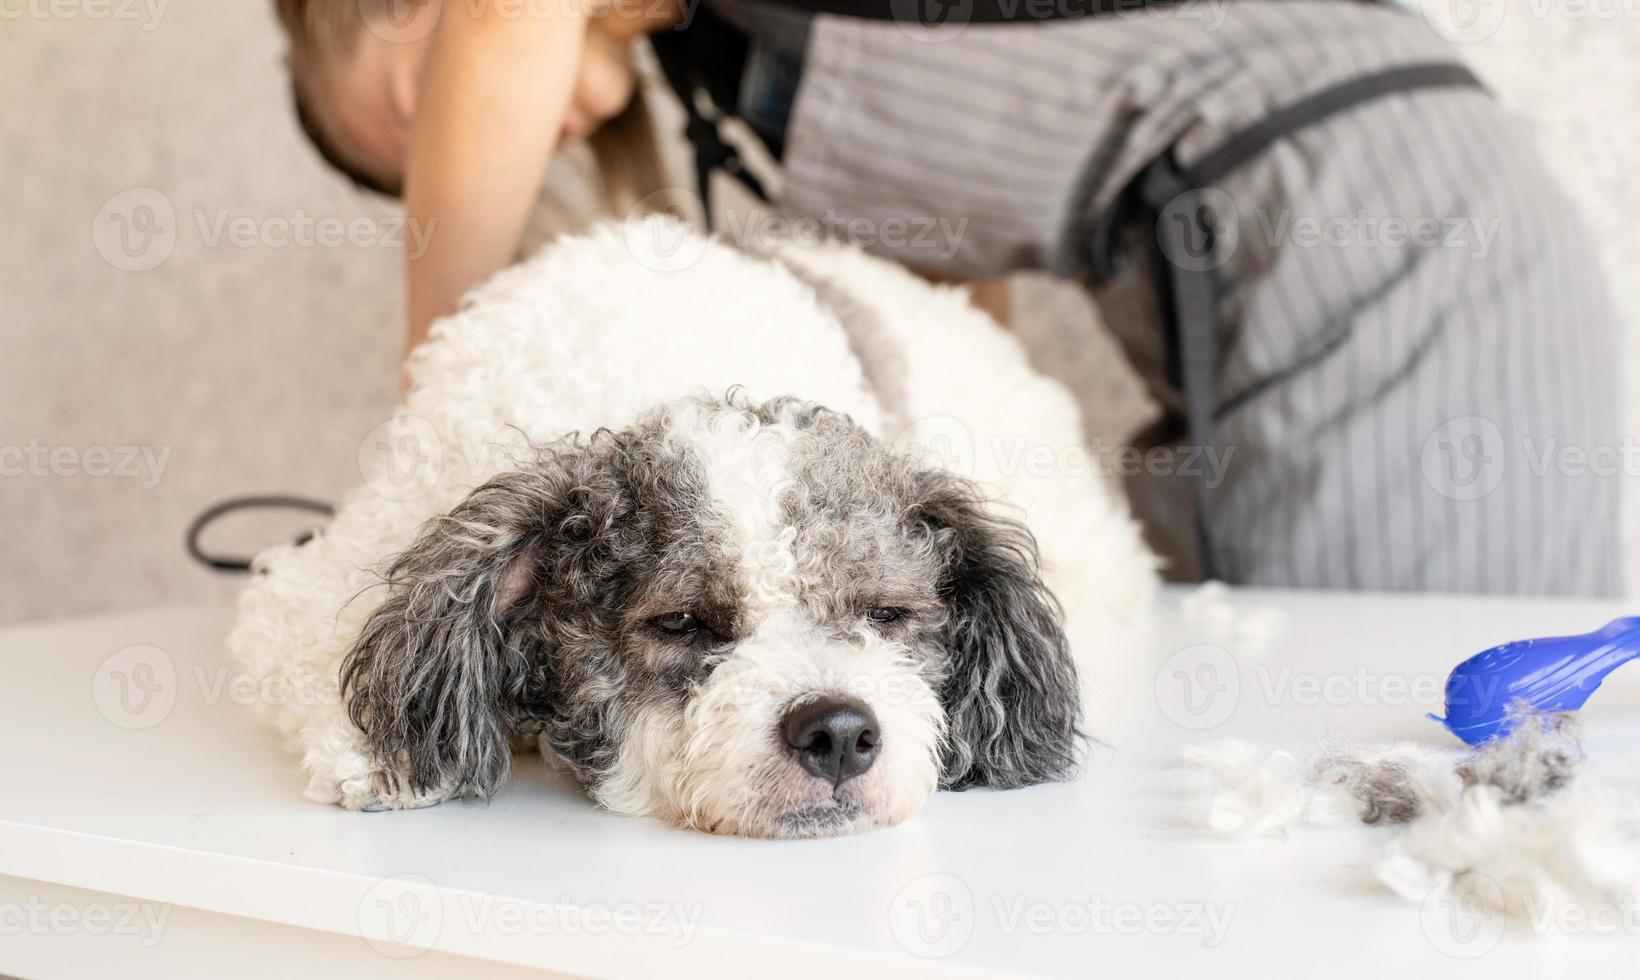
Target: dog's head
column 750, row 619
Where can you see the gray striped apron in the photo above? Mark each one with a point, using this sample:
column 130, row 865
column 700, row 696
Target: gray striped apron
column 1395, row 363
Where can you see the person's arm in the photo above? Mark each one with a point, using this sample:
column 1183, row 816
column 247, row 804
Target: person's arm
column 994, row 297
column 493, row 100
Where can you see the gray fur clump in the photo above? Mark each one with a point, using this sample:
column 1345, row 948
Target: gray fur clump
column 1384, row 790
column 1538, row 758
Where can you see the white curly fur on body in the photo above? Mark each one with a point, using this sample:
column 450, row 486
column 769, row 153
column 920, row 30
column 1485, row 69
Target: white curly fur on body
column 596, row 331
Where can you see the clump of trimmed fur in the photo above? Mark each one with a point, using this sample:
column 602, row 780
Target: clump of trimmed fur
column 1528, row 822
column 1392, row 789
column 1253, row 792
column 1538, row 758
column 1516, row 814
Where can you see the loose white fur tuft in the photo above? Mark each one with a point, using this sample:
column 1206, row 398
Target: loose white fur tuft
column 1256, row 792
column 1580, row 845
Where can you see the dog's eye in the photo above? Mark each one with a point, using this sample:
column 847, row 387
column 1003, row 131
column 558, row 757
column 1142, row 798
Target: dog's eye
column 884, row 615
column 676, row 623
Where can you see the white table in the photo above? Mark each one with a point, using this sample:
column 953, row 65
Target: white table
column 155, row 830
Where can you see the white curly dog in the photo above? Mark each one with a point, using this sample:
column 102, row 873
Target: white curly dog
column 739, row 540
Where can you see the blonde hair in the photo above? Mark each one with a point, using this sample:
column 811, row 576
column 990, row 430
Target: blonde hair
column 625, row 151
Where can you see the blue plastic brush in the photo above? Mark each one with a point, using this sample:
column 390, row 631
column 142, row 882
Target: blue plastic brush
column 1484, row 694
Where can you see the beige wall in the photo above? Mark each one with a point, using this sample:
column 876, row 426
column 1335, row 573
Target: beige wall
column 244, row 368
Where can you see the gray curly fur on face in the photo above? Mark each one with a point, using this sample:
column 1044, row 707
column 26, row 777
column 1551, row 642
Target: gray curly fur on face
column 1005, row 674
column 1009, row 689
column 527, row 609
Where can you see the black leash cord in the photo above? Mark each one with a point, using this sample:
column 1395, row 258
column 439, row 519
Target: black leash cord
column 210, row 515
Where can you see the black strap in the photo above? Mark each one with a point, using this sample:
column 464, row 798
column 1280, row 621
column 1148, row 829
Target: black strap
column 211, row 514
column 1188, row 228
column 1138, row 202
column 1250, row 142
column 1175, row 200
column 703, row 64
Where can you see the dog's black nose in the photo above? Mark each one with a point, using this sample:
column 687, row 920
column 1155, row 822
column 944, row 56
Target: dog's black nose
column 833, row 738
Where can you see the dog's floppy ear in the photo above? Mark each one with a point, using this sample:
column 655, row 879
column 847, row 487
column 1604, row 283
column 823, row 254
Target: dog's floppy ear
column 436, row 678
column 1010, row 695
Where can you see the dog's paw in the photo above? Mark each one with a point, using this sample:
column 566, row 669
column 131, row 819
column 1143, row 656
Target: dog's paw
column 385, row 790
column 342, row 772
